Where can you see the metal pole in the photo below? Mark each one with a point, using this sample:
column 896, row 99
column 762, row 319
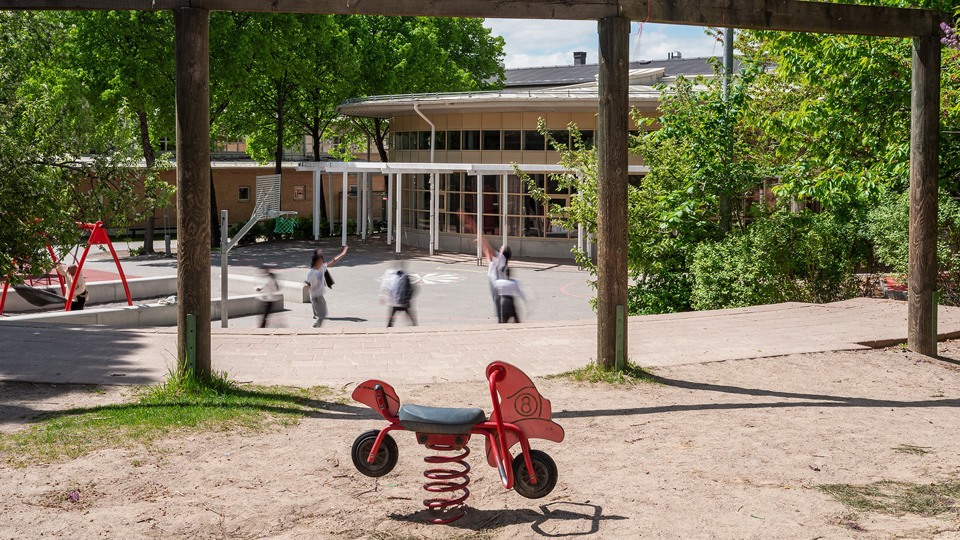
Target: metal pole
column 362, row 200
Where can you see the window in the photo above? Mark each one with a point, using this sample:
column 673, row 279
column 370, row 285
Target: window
column 471, row 140
column 586, row 138
column 560, row 138
column 533, row 140
column 243, row 193
column 512, row 139
column 453, row 140
column 423, row 140
column 491, row 139
column 441, row 142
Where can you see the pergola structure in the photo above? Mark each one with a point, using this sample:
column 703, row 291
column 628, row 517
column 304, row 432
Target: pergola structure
column 191, row 19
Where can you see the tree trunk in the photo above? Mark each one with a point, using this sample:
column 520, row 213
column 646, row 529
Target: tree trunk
column 278, row 155
column 380, row 135
column 150, row 156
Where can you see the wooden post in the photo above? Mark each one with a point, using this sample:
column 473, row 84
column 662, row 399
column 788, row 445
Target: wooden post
column 612, row 187
column 924, row 153
column 193, row 182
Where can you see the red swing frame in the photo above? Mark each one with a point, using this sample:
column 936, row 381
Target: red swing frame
column 98, row 236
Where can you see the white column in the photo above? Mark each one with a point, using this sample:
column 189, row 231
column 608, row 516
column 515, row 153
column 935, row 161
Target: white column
column 436, row 209
column 503, row 207
column 399, row 221
column 433, row 216
column 330, row 203
column 479, row 219
column 317, row 186
column 363, row 196
column 358, row 176
column 389, row 178
column 343, row 212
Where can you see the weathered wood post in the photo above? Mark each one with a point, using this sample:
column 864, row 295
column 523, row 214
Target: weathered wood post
column 612, row 189
column 924, row 153
column 193, row 183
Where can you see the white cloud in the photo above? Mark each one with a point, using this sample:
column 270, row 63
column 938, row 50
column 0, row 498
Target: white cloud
column 538, row 43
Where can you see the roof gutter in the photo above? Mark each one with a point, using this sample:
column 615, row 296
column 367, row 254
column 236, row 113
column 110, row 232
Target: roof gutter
column 433, row 129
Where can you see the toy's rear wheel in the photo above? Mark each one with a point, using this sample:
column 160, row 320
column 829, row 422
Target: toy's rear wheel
column 543, row 467
column 385, row 460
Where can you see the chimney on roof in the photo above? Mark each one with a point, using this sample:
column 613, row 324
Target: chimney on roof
column 579, row 58
column 675, row 55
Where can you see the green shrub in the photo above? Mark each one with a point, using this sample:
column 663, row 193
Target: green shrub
column 665, row 292
column 803, row 257
column 888, row 228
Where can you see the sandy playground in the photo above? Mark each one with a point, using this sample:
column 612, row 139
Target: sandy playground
column 734, row 449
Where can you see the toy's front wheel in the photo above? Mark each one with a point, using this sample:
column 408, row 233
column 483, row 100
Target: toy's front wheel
column 543, row 467
column 385, row 460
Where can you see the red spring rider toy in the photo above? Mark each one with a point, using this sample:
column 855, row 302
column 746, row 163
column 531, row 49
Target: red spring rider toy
column 519, row 414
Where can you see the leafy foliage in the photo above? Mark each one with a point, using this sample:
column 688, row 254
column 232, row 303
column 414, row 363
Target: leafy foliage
column 783, row 257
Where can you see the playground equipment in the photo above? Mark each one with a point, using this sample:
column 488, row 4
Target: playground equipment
column 520, row 413
column 267, row 205
column 39, row 297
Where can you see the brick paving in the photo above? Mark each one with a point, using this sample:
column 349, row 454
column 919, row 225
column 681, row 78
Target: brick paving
column 339, row 356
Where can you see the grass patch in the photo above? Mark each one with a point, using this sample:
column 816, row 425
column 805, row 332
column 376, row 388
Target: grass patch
column 897, row 498
column 911, row 449
column 631, row 374
column 179, row 404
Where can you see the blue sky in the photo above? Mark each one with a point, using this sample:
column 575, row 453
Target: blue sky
column 538, row 43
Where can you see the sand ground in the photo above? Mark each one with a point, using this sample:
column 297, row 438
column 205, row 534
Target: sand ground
column 733, row 449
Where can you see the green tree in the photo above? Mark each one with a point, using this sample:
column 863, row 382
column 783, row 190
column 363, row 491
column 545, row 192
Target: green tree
column 407, row 55
column 130, row 80
column 47, row 125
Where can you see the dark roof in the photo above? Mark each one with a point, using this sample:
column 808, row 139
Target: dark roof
column 559, row 75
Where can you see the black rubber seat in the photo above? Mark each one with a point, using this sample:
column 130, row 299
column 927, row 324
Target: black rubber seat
column 442, row 420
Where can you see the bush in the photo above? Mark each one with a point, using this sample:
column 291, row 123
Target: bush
column 665, row 292
column 784, row 257
column 888, row 228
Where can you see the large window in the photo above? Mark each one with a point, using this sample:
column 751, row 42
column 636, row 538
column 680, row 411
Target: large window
column 491, row 139
column 526, row 216
column 512, row 139
column 533, row 140
column 453, row 140
column 471, row 140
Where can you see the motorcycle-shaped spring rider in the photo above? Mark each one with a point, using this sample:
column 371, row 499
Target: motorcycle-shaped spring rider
column 519, row 414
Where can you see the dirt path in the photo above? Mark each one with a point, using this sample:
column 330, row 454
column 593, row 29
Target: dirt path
column 732, row 449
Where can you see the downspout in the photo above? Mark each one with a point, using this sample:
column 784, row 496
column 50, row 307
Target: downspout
column 434, row 207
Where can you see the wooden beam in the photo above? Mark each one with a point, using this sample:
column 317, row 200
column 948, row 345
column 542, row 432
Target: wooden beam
column 785, row 15
column 612, row 224
column 924, row 155
column 504, row 9
column 191, row 43
column 91, row 5
column 789, row 16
